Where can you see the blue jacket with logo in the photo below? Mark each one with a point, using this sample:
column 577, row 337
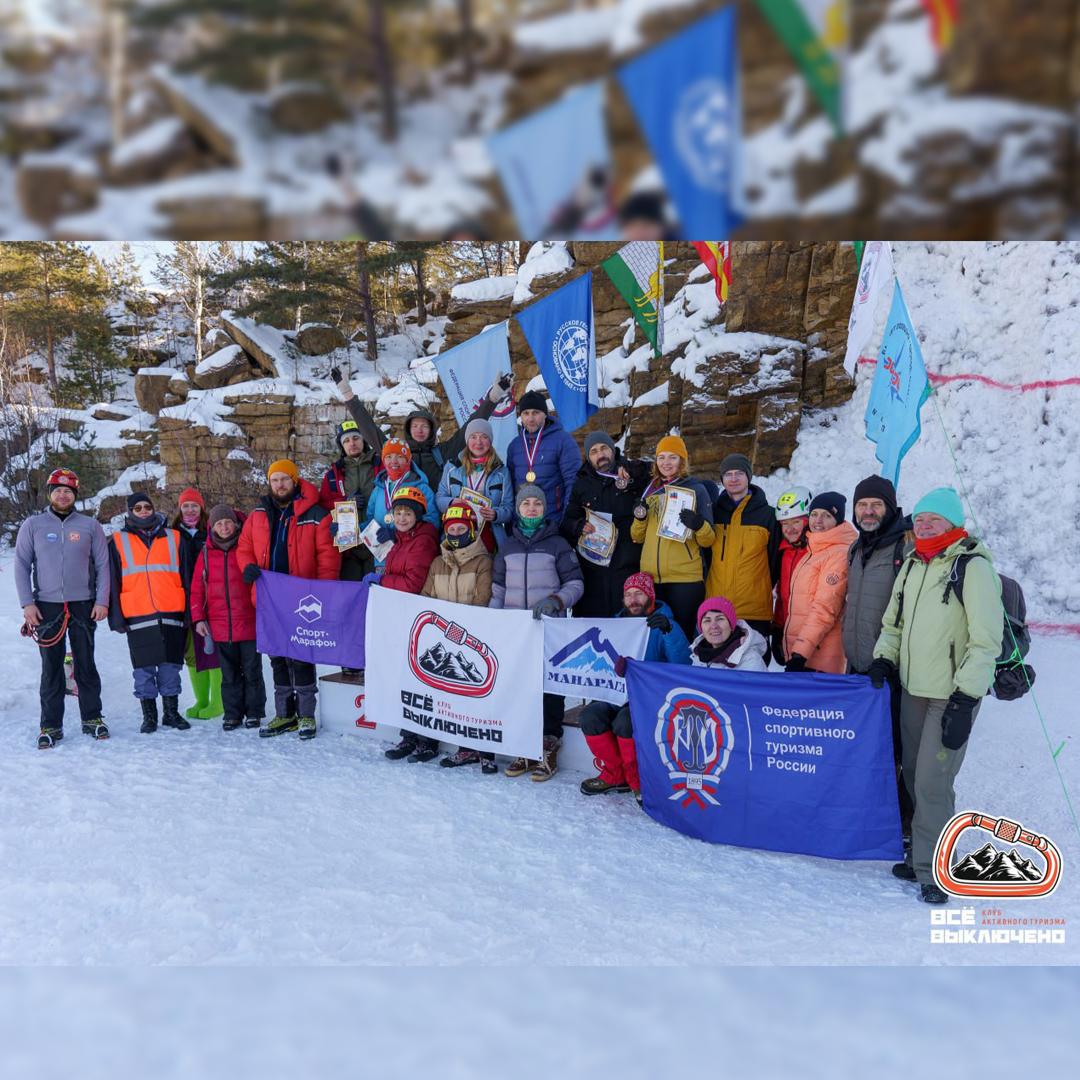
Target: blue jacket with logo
column 61, row 559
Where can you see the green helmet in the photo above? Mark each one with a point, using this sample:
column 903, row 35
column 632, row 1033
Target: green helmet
column 794, row 503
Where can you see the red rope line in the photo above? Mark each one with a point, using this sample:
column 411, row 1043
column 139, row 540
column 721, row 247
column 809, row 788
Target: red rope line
column 940, row 380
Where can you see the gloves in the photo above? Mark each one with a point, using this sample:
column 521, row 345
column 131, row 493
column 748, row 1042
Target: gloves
column 881, row 671
column 335, row 374
column 796, row 663
column 548, row 606
column 956, row 720
column 333, row 530
column 659, row 621
column 691, row 519
column 620, row 666
column 776, row 639
column 251, row 573
column 371, row 579
column 387, row 534
column 500, row 387
column 641, row 510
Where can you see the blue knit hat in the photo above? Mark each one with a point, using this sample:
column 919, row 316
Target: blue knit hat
column 944, row 502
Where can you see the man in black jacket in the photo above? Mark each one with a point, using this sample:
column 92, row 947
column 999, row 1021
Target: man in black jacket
column 606, row 485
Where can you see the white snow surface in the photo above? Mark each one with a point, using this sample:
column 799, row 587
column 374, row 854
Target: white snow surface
column 489, row 288
column 220, row 359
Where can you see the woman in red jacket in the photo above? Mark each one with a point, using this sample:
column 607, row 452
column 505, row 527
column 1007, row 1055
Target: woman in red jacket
column 223, row 614
column 793, row 517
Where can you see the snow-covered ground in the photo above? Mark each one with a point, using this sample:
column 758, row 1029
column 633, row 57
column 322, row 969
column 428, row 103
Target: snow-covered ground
column 202, row 847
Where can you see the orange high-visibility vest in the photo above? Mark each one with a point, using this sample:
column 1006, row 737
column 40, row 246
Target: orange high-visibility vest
column 150, row 580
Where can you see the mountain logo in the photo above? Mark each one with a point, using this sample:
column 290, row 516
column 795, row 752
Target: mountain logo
column 466, row 667
column 309, row 609
column 589, row 652
column 989, row 870
column 694, row 737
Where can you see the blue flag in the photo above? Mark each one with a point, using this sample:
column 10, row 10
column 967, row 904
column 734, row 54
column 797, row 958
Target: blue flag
column 787, row 762
column 559, row 330
column 899, row 389
column 555, row 167
column 685, row 94
column 468, row 370
column 321, row 622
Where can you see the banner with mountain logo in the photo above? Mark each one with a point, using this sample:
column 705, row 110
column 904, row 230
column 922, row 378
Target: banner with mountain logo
column 580, row 655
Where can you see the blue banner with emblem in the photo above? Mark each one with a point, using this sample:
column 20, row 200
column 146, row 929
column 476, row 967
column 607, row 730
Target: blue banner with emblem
column 787, row 762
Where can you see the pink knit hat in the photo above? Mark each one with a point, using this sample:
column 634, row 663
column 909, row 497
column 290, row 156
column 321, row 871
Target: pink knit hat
column 717, row 603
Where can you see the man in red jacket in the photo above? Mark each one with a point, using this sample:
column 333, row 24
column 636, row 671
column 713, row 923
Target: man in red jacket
column 289, row 533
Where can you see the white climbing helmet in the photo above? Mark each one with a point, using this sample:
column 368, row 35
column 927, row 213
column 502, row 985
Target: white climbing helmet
column 794, row 503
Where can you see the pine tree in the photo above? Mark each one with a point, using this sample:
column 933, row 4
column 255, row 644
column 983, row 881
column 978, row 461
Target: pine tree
column 93, row 366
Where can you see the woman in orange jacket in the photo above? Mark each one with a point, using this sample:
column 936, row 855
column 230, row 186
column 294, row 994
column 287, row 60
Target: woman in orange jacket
column 812, row 640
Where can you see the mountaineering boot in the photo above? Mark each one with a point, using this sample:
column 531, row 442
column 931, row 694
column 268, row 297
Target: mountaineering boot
column 605, row 749
column 488, row 766
column 149, row 715
column 519, row 766
column 903, row 871
column 426, row 750
column 253, row 722
column 548, row 765
column 462, row 756
column 170, row 714
column 403, row 748
column 278, row 726
column 49, row 737
column 213, row 708
column 929, row 893
column 306, row 727
column 231, row 723
column 200, row 686
column 96, row 729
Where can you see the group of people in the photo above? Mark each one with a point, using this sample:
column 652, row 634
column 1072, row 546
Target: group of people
column 733, row 583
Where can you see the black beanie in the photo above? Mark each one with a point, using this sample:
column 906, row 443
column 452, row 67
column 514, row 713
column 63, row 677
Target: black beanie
column 876, row 487
column 137, row 497
column 740, row 462
column 532, row 399
column 832, row 501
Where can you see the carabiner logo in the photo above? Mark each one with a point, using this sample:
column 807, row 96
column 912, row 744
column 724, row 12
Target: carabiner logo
column 991, row 870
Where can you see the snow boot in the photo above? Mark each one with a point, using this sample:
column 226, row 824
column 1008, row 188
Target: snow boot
column 548, row 765
column 404, row 748
column 96, row 729
column 49, row 737
column 231, row 723
column 903, row 871
column 213, row 708
column 628, row 753
column 253, row 722
column 278, row 726
column 462, row 756
column 200, row 686
column 929, row 893
column 606, row 758
column 305, row 727
column 149, row 715
column 170, row 714
column 426, row 750
column 520, row 766
column 488, row 766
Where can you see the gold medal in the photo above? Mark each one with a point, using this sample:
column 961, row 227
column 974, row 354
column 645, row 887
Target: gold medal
column 531, row 476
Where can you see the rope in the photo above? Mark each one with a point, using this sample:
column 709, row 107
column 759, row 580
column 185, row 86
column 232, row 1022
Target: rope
column 1031, row 690
column 36, row 631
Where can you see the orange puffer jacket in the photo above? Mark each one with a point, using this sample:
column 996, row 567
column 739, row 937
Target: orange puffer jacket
column 816, row 601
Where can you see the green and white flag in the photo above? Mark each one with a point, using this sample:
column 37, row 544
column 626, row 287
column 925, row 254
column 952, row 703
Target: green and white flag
column 816, row 33
column 637, row 269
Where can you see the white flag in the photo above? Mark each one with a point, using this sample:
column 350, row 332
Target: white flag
column 580, row 655
column 875, row 279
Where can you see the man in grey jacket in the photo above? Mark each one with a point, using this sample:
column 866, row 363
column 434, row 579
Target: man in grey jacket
column 62, row 576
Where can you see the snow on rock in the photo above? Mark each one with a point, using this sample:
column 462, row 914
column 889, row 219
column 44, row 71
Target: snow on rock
column 221, row 359
column 402, row 399
column 153, row 140
column 204, row 408
column 573, row 31
column 657, row 396
column 143, row 475
column 488, row 288
column 544, row 259
column 266, row 345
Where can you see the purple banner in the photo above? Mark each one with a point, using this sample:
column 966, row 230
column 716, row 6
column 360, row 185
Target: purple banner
column 321, row 622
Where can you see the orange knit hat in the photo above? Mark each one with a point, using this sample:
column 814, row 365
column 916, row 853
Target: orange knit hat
column 673, row 444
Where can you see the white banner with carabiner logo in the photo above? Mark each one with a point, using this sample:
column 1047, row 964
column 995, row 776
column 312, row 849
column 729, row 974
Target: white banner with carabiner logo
column 471, row 676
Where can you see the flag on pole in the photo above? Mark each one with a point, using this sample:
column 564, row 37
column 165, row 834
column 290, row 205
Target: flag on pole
column 637, row 270
column 899, row 389
column 815, row 32
column 555, row 167
column 559, row 329
column 685, row 95
column 716, row 255
column 468, row 370
column 859, row 246
column 944, row 15
column 875, row 274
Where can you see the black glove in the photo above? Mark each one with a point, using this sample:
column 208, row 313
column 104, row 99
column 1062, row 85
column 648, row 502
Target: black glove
column 956, row 719
column 641, row 509
column 506, row 380
column 333, row 529
column 387, row 534
column 335, row 374
column 251, row 573
column 777, row 644
column 691, row 519
column 796, row 663
column 620, row 666
column 881, row 671
column 548, row 606
column 659, row 621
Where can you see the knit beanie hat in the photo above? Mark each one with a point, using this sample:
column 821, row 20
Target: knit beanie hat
column 738, row 462
column 530, row 491
column 717, row 603
column 944, row 502
column 137, row 497
column 673, row 444
column 396, row 446
column 876, row 487
column 596, row 438
column 832, row 501
column 285, row 466
column 479, row 427
column 532, row 399
column 191, row 495
column 641, row 581
column 223, row 512
column 348, row 426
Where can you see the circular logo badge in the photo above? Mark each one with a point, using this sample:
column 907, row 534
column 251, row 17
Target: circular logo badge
column 703, row 132
column 570, row 352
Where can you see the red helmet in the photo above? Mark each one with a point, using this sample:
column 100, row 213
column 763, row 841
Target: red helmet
column 459, row 510
column 64, row 478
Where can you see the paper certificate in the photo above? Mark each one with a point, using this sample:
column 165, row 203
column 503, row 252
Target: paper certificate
column 348, row 525
column 369, row 540
column 599, row 546
column 476, row 499
column 676, row 500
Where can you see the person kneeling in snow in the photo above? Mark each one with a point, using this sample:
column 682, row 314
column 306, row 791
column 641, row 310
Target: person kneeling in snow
column 537, row 569
column 607, row 728
column 726, row 641
column 462, row 575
